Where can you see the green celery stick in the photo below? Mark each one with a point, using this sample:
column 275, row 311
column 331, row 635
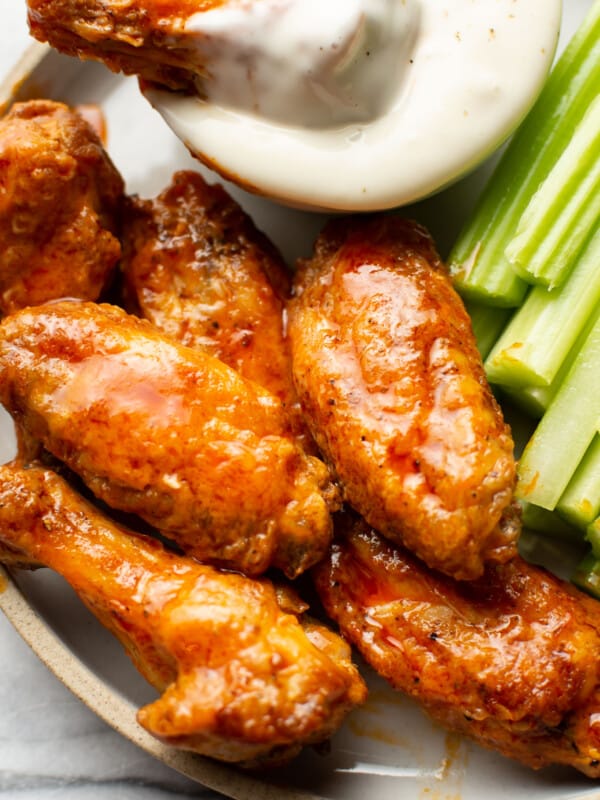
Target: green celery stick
column 565, row 431
column 477, row 261
column 530, row 399
column 592, row 534
column 548, row 522
column 587, row 575
column 488, row 323
column 563, row 211
column 580, row 502
column 536, row 399
column 534, row 345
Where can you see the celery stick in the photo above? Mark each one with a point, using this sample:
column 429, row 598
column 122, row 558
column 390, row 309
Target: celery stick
column 487, row 323
column 565, row 431
column 535, row 400
column 484, row 274
column 529, row 399
column 537, row 340
column 587, row 575
column 548, row 522
column 563, row 211
column 477, row 261
column 580, row 502
column 592, row 534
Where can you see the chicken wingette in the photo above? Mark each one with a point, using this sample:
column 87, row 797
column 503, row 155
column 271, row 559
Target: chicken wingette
column 393, row 388
column 169, row 433
column 242, row 678
column 511, row 660
column 60, row 203
column 196, row 266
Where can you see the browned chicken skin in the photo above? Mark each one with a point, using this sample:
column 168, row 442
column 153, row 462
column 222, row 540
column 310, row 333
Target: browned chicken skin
column 198, row 269
column 141, row 37
column 59, row 207
column 241, row 679
column 394, row 391
column 167, row 432
column 512, row 660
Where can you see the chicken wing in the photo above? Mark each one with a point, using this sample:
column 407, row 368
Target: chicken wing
column 241, row 678
column 198, row 269
column 140, row 37
column 169, row 433
column 59, row 207
column 394, row 391
column 512, row 660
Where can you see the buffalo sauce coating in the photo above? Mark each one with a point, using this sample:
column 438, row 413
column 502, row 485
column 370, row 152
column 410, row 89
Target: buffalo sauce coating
column 197, row 267
column 138, row 37
column 393, row 387
column 242, row 678
column 510, row 660
column 59, row 207
column 167, row 432
column 157, row 13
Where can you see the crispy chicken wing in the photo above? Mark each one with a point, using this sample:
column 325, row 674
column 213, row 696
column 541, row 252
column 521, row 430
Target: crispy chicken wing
column 198, row 269
column 241, row 679
column 511, row 660
column 394, row 390
column 59, row 207
column 140, row 37
column 169, row 433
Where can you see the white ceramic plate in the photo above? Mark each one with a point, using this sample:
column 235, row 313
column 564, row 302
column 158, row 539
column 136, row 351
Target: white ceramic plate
column 386, row 750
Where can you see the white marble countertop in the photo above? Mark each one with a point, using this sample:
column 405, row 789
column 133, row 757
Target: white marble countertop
column 51, row 745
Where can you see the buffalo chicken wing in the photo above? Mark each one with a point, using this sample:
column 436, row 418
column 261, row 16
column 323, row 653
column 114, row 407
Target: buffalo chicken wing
column 394, row 390
column 242, row 678
column 198, row 269
column 511, row 660
column 60, row 200
column 140, row 37
column 169, row 433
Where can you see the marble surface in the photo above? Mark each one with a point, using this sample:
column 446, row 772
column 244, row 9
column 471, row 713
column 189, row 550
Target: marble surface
column 51, row 745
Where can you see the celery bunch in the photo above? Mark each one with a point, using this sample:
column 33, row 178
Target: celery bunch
column 522, row 193
column 528, row 265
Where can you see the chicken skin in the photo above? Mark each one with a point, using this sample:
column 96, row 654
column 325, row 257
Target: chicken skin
column 242, row 680
column 511, row 660
column 59, row 207
column 394, row 391
column 198, row 269
column 141, row 37
column 169, row 433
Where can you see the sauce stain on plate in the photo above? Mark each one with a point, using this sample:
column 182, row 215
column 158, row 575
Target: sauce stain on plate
column 452, row 771
column 379, row 733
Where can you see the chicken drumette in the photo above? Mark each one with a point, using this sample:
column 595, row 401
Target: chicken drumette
column 511, row 660
column 242, row 678
column 196, row 267
column 59, row 207
column 167, row 432
column 394, row 390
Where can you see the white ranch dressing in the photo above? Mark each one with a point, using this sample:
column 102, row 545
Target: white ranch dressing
column 444, row 82
column 306, row 62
